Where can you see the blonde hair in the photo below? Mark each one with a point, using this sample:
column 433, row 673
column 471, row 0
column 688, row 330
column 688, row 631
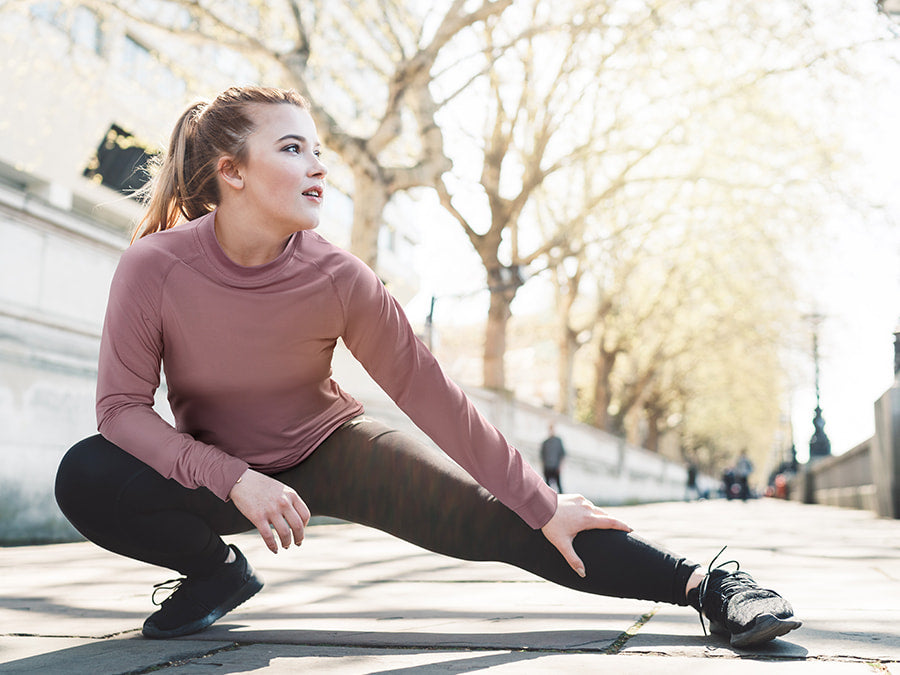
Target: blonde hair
column 183, row 186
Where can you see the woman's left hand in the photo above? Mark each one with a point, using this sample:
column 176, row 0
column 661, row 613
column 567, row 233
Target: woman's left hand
column 574, row 514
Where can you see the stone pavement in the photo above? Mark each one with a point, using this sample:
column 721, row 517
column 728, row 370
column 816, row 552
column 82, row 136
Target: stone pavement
column 353, row 600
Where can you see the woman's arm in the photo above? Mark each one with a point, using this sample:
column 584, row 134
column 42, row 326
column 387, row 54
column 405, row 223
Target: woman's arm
column 378, row 334
column 131, row 351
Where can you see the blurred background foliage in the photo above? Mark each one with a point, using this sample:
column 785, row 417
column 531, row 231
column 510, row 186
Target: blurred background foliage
column 655, row 178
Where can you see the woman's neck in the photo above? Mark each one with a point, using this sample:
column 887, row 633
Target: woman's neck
column 245, row 244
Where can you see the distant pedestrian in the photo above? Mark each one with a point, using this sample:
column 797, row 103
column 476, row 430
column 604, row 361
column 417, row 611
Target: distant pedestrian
column 742, row 470
column 728, row 484
column 692, row 492
column 230, row 291
column 552, row 453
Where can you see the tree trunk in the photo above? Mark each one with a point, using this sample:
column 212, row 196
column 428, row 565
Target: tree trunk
column 654, row 426
column 602, row 389
column 633, row 399
column 370, row 196
column 568, row 346
column 567, row 343
column 634, row 431
column 495, row 339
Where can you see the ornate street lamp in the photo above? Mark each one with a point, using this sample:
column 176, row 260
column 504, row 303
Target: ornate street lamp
column 897, row 355
column 819, row 445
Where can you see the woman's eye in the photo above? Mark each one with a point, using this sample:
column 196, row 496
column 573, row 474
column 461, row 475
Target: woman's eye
column 292, row 148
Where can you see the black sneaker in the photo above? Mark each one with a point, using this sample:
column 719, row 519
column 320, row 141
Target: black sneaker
column 197, row 602
column 738, row 607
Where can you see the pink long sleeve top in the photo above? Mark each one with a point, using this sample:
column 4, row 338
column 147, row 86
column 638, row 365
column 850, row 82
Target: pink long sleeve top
column 247, row 356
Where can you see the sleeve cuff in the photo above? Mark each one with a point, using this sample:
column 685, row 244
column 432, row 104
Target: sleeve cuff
column 231, row 469
column 539, row 509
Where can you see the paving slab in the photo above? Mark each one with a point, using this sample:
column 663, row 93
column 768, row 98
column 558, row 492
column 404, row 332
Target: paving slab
column 352, row 661
column 48, row 656
column 354, row 600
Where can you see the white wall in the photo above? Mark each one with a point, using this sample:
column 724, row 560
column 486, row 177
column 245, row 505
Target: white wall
column 54, row 277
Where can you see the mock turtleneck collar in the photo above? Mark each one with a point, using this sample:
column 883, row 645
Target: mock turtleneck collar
column 235, row 274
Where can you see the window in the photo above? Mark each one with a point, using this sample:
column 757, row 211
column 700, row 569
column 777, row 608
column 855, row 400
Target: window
column 120, row 162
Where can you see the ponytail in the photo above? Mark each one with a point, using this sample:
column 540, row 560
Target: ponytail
column 166, row 194
column 184, row 186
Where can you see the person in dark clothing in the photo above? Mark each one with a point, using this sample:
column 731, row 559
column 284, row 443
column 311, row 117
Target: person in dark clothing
column 552, row 453
column 692, row 491
column 742, row 470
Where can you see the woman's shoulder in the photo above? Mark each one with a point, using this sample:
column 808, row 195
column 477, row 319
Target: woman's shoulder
column 327, row 256
column 163, row 248
column 149, row 260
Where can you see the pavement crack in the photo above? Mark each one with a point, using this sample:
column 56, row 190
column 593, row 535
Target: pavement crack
column 157, row 667
column 73, row 636
column 632, row 630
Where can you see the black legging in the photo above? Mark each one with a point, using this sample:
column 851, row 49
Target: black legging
column 364, row 473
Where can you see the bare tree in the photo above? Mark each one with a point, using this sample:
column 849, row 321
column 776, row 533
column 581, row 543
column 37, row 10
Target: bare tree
column 702, row 163
column 533, row 96
column 367, row 68
column 611, row 143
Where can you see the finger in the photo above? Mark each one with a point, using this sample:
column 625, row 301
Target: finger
column 573, row 560
column 301, row 508
column 564, row 546
column 266, row 533
column 295, row 522
column 282, row 529
column 607, row 522
column 594, row 521
column 615, row 524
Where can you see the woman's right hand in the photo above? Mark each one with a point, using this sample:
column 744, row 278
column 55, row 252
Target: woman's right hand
column 575, row 514
column 271, row 505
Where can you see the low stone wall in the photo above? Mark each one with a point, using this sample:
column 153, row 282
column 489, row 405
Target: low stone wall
column 844, row 480
column 54, row 274
column 866, row 477
column 886, row 450
column 598, row 465
column 46, row 405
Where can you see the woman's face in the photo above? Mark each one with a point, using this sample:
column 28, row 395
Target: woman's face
column 283, row 179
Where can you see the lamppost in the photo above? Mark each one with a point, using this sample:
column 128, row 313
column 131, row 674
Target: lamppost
column 897, row 355
column 819, row 445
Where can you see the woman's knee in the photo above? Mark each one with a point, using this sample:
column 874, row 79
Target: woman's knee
column 81, row 465
column 71, row 471
column 90, row 475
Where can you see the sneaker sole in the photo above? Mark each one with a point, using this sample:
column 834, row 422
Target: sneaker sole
column 767, row 627
column 248, row 590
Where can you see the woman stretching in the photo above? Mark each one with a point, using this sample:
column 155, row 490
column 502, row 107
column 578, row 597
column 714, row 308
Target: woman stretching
column 242, row 304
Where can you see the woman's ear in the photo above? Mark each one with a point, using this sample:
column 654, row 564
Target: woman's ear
column 229, row 172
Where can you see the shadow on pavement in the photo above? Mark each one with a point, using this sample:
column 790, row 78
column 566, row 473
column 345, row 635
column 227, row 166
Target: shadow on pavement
column 234, row 650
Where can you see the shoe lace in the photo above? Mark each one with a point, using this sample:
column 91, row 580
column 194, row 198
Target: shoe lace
column 729, row 584
column 172, row 586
